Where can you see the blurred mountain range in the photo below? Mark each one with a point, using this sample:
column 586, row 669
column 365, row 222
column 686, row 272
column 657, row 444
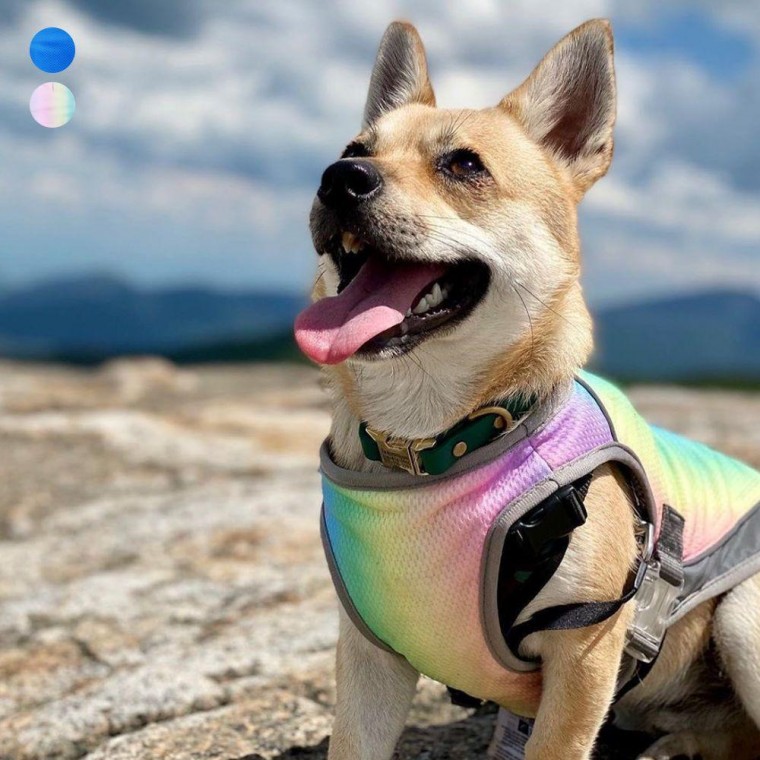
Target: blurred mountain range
column 95, row 317
column 709, row 336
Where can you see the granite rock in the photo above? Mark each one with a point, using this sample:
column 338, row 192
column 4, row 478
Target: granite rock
column 162, row 588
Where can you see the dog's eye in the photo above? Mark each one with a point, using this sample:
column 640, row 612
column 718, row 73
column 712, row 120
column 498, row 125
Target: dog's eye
column 463, row 163
column 355, row 150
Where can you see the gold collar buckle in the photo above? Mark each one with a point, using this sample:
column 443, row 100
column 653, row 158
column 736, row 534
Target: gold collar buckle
column 400, row 452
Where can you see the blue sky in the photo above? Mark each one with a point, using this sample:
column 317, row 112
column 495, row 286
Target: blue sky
column 202, row 128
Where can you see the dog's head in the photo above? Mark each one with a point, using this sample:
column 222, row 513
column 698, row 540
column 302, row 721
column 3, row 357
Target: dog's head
column 452, row 234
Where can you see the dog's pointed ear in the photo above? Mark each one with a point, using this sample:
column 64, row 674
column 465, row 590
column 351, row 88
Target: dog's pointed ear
column 567, row 104
column 400, row 74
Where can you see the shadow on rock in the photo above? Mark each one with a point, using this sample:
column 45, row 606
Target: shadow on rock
column 468, row 740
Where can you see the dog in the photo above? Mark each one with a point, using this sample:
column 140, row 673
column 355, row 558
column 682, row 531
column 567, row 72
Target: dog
column 452, row 239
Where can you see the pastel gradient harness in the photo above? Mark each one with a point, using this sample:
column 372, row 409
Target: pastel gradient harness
column 415, row 560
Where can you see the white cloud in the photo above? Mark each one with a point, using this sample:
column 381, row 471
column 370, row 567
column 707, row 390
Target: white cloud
column 209, row 142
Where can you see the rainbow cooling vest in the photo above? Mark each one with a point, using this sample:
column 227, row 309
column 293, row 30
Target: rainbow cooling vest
column 415, row 560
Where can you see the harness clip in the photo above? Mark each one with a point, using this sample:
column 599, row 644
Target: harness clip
column 655, row 601
column 535, row 535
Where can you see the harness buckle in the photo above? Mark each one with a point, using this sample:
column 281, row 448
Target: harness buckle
column 655, row 600
column 400, row 452
column 535, row 535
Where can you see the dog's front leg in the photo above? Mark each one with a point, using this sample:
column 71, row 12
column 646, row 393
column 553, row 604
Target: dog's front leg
column 375, row 690
column 580, row 670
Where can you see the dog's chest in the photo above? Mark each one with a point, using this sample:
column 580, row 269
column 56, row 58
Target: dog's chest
column 409, row 562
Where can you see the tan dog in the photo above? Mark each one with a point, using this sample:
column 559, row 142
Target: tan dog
column 487, row 199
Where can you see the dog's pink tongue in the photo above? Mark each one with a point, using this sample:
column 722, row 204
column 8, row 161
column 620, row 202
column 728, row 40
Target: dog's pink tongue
column 333, row 329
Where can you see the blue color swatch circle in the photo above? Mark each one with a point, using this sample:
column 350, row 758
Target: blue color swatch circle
column 52, row 50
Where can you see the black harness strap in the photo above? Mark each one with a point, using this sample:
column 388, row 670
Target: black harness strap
column 669, row 549
column 462, row 698
column 564, row 617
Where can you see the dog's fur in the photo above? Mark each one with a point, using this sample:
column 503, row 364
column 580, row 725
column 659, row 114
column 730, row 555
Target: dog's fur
column 544, row 145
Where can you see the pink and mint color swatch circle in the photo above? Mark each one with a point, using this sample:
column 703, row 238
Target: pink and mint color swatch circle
column 52, row 105
column 52, row 50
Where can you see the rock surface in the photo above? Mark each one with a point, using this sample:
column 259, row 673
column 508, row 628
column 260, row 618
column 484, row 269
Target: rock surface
column 162, row 587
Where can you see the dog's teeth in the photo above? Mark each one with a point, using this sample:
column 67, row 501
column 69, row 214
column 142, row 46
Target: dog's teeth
column 435, row 296
column 408, row 313
column 351, row 243
column 422, row 306
column 430, row 300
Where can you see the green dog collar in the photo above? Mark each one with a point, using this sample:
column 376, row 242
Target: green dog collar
column 433, row 456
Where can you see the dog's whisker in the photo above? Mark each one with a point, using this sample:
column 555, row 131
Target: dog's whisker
column 530, row 322
column 458, row 121
column 457, row 232
column 547, row 306
column 416, row 360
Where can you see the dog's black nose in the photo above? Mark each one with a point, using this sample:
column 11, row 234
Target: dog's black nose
column 349, row 181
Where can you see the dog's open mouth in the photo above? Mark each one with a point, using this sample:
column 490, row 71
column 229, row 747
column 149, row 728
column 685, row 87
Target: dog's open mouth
column 387, row 307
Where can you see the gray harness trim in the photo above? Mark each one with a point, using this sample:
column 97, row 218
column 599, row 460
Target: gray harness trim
column 342, row 591
column 722, row 566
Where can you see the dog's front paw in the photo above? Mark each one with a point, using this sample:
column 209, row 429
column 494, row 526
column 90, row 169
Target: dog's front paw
column 682, row 746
